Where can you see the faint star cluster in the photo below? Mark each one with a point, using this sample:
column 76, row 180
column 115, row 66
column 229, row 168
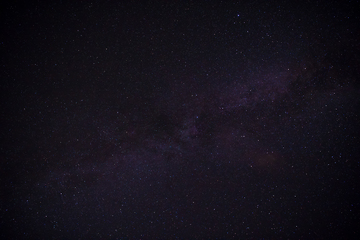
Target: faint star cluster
column 186, row 120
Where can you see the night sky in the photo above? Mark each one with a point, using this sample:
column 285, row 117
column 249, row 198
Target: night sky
column 180, row 120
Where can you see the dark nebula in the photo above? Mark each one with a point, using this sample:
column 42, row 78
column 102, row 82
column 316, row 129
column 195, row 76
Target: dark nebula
column 180, row 120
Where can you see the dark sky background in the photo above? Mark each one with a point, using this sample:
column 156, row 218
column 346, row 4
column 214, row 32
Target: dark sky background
column 180, row 120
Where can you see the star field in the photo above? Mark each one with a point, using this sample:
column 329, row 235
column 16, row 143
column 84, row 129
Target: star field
column 180, row 120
